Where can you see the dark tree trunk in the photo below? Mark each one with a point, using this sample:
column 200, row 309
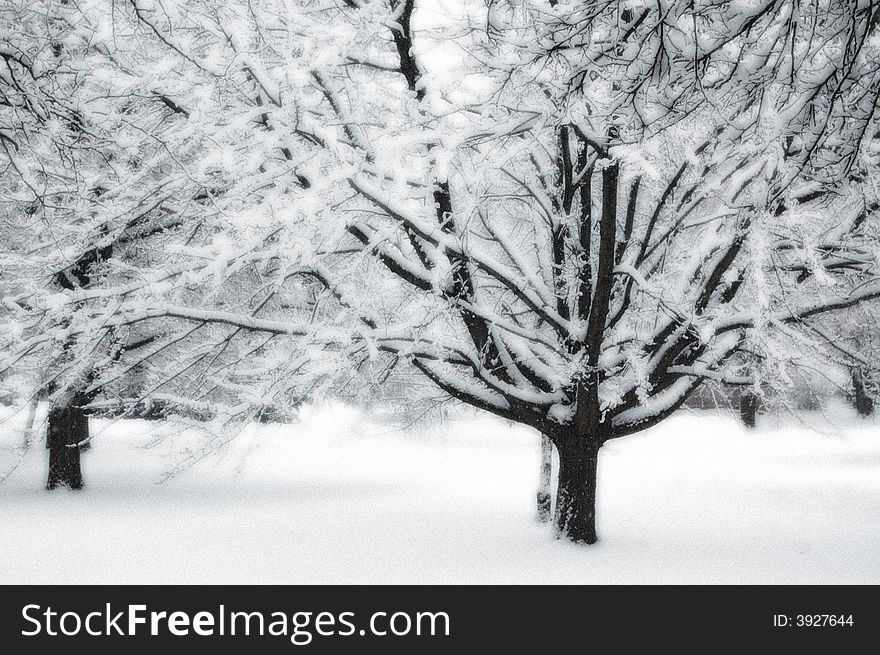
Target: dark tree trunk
column 861, row 398
column 545, row 500
column 576, row 490
column 748, row 409
column 68, row 427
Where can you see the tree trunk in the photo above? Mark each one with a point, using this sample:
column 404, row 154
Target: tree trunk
column 545, row 500
column 68, row 426
column 861, row 399
column 28, row 432
column 576, row 490
column 748, row 409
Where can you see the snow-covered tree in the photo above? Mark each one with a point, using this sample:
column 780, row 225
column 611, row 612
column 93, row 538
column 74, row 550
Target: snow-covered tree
column 609, row 200
column 98, row 202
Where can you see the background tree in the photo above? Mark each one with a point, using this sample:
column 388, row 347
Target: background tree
column 123, row 197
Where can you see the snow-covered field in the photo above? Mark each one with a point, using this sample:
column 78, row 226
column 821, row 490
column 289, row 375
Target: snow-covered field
column 340, row 498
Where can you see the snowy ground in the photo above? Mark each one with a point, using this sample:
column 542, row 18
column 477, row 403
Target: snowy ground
column 338, row 498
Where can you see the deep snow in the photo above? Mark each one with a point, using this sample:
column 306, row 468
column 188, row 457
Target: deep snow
column 340, row 498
